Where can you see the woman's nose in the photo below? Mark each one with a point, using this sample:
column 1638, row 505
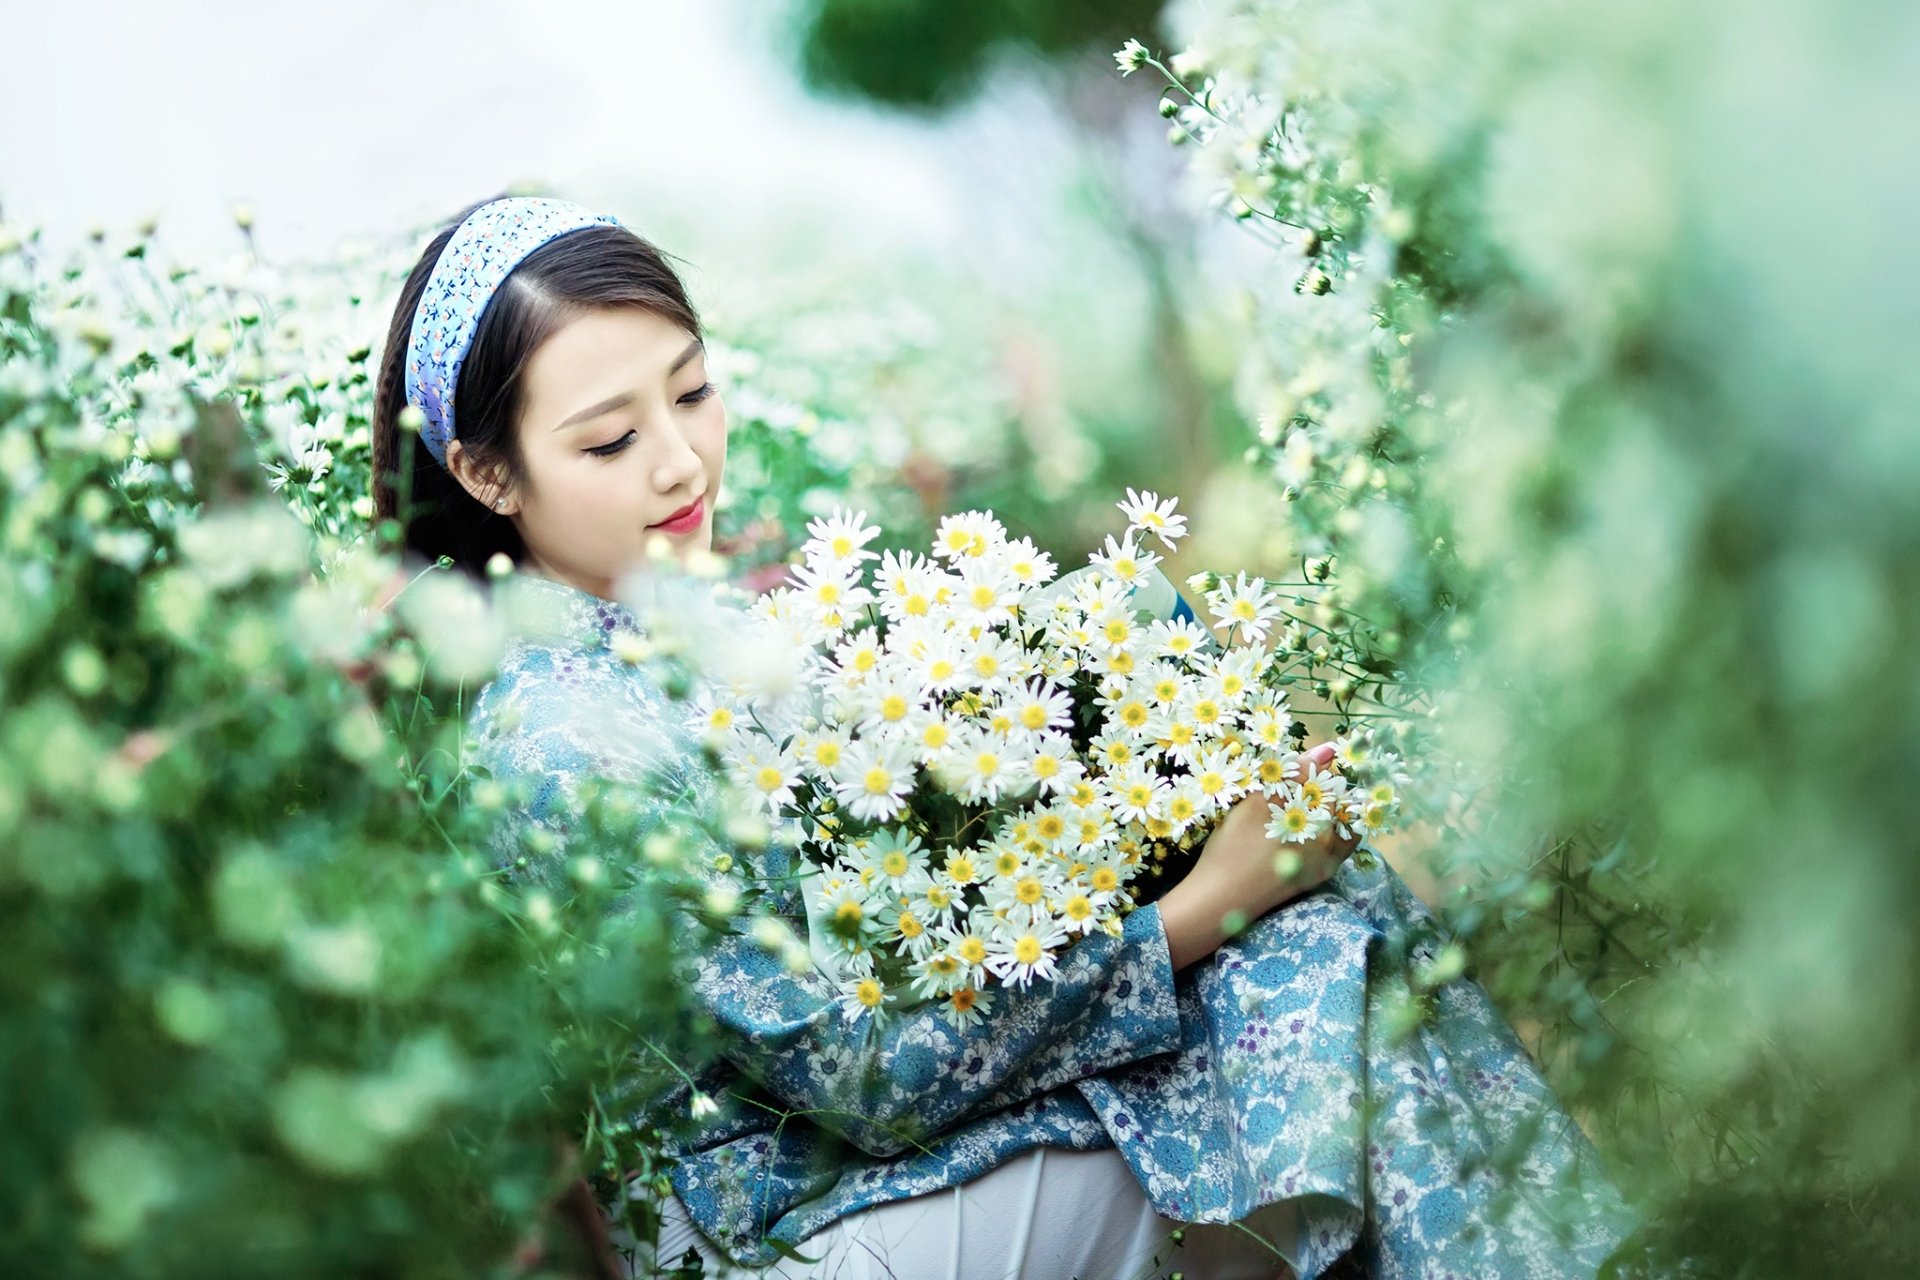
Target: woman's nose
column 679, row 467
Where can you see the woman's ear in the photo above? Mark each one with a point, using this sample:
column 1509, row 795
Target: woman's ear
column 487, row 485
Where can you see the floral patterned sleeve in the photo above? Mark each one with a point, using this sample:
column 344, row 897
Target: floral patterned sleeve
column 890, row 1085
column 884, row 1086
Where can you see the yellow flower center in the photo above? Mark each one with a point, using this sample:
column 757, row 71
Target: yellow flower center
column 1028, row 949
column 878, row 781
column 1029, row 891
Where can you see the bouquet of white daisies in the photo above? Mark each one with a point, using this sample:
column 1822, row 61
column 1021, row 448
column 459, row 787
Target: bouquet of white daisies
column 980, row 764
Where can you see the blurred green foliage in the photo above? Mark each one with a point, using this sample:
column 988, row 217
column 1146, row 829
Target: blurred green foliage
column 1626, row 485
column 268, row 1007
column 924, row 54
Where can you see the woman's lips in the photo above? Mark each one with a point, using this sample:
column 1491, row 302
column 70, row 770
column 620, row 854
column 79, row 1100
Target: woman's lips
column 686, row 519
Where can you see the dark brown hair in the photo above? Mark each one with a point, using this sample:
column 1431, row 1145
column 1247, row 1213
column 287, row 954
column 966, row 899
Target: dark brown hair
column 591, row 268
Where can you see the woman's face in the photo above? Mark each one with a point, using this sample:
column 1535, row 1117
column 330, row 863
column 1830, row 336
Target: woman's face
column 622, row 442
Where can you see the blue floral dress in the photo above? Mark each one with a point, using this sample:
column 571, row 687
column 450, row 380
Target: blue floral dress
column 1282, row 1067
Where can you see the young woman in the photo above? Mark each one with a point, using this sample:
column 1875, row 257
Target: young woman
column 1166, row 1076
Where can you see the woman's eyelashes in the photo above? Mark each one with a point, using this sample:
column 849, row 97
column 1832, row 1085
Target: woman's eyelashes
column 612, row 447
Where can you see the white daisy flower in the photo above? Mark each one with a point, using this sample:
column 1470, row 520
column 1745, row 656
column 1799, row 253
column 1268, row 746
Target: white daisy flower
column 1271, row 771
column 1176, row 735
column 969, row 535
column 856, row 658
column 1026, row 564
column 992, row 662
column 1136, row 793
column 1244, row 606
column 893, row 860
column 939, row 973
column 1039, row 708
column 1091, row 830
column 1020, row 898
column 1317, row 788
column 886, row 705
column 1017, row 956
column 840, row 539
column 986, row 594
column 831, row 594
column 983, row 767
column 1295, row 823
column 1234, row 674
column 909, row 586
column 1123, row 559
column 939, row 659
column 767, row 774
column 874, row 779
column 1270, row 726
column 849, row 910
column 1165, row 684
column 1148, row 512
column 1184, row 639
column 1114, row 749
column 1185, row 805
column 965, row 1006
column 1128, row 708
column 1075, row 910
column 1218, row 778
column 862, row 997
column 1054, row 764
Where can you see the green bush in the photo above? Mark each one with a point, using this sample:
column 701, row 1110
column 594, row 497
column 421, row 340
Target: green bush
column 1611, row 455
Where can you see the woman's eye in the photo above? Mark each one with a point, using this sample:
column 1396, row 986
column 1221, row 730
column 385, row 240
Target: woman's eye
column 612, row 447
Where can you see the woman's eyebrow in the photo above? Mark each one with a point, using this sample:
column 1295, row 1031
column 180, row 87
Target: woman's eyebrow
column 622, row 400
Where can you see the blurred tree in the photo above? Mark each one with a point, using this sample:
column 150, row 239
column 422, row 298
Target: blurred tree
column 929, row 54
column 923, row 57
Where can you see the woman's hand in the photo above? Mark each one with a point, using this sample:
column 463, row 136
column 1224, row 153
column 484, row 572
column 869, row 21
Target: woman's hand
column 1242, row 874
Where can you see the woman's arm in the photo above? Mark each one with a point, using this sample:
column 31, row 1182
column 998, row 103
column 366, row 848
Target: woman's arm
column 889, row 1085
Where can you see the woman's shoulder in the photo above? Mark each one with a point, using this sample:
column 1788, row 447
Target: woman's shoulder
column 564, row 707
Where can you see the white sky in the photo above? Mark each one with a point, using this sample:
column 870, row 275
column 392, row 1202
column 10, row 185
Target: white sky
column 361, row 117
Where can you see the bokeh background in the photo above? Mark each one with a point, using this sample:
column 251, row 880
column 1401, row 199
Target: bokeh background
column 1559, row 359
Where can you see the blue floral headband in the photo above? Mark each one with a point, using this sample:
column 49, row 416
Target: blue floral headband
column 481, row 253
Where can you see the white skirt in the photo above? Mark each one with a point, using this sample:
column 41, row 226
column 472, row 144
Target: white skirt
column 1050, row 1214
